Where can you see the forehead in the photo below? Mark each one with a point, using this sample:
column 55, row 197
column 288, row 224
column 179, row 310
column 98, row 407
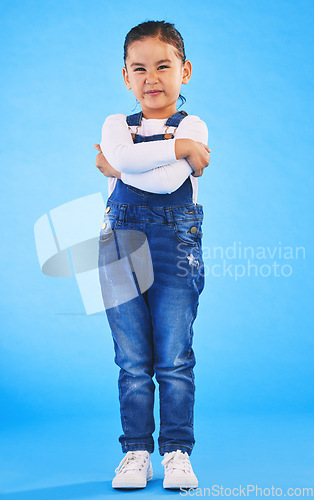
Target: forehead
column 151, row 49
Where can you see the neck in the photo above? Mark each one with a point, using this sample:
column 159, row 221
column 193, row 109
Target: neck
column 159, row 114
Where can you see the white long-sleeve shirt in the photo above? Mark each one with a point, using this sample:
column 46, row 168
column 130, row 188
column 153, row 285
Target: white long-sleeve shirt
column 151, row 166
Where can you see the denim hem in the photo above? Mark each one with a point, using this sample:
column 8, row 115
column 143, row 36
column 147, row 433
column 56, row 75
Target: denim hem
column 168, row 448
column 137, row 446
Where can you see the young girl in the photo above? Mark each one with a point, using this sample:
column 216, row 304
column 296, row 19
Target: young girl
column 153, row 159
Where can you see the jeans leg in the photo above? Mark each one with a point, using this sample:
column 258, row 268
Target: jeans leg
column 131, row 329
column 174, row 363
column 173, row 301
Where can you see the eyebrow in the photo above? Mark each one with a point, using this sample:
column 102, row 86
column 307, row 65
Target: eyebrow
column 158, row 62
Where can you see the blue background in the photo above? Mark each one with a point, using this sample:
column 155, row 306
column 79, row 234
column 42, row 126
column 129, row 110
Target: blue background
column 252, row 84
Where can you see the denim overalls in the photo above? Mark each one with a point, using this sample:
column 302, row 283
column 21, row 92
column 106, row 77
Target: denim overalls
column 152, row 332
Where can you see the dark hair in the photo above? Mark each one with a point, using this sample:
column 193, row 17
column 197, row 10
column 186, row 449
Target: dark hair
column 166, row 32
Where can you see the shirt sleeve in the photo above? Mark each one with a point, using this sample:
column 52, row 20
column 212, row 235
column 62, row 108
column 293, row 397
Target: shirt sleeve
column 160, row 180
column 125, row 156
column 168, row 178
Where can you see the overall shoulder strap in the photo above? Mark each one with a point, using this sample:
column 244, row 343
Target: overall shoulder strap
column 134, row 120
column 174, row 120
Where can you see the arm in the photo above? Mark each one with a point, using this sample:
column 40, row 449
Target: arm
column 125, row 156
column 168, row 178
column 104, row 166
column 160, row 180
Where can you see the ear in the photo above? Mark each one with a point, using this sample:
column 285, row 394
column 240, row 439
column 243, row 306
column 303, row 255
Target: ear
column 187, row 71
column 126, row 78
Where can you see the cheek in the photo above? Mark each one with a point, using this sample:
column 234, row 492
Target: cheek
column 176, row 86
column 177, row 79
column 138, row 80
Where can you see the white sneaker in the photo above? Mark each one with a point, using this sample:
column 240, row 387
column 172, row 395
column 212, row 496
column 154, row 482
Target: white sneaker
column 134, row 470
column 178, row 471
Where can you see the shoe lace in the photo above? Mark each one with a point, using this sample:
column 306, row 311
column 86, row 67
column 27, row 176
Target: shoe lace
column 177, row 460
column 131, row 461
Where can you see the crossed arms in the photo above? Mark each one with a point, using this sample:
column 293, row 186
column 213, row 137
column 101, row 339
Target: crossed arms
column 155, row 166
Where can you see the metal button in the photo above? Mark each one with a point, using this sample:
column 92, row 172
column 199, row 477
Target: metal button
column 104, row 225
column 193, row 230
column 108, row 210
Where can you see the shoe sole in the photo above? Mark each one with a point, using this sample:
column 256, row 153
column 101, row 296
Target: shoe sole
column 179, row 484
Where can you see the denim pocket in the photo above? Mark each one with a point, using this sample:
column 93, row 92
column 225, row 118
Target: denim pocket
column 107, row 228
column 188, row 232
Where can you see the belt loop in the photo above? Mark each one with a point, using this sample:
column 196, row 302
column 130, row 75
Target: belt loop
column 122, row 214
column 169, row 216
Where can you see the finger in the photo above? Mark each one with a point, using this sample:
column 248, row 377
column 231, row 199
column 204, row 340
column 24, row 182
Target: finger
column 97, row 146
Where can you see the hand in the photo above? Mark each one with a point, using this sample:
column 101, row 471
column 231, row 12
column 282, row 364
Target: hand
column 196, row 153
column 104, row 166
column 199, row 158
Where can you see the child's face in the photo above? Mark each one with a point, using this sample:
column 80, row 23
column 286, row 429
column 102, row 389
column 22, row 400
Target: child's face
column 155, row 73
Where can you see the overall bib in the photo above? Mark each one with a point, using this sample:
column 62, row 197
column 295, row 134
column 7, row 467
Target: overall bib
column 153, row 331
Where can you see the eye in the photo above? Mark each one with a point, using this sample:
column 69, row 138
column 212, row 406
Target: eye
column 139, row 69
column 163, row 66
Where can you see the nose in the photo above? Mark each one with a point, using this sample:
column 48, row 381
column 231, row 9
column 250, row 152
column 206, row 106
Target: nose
column 151, row 77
